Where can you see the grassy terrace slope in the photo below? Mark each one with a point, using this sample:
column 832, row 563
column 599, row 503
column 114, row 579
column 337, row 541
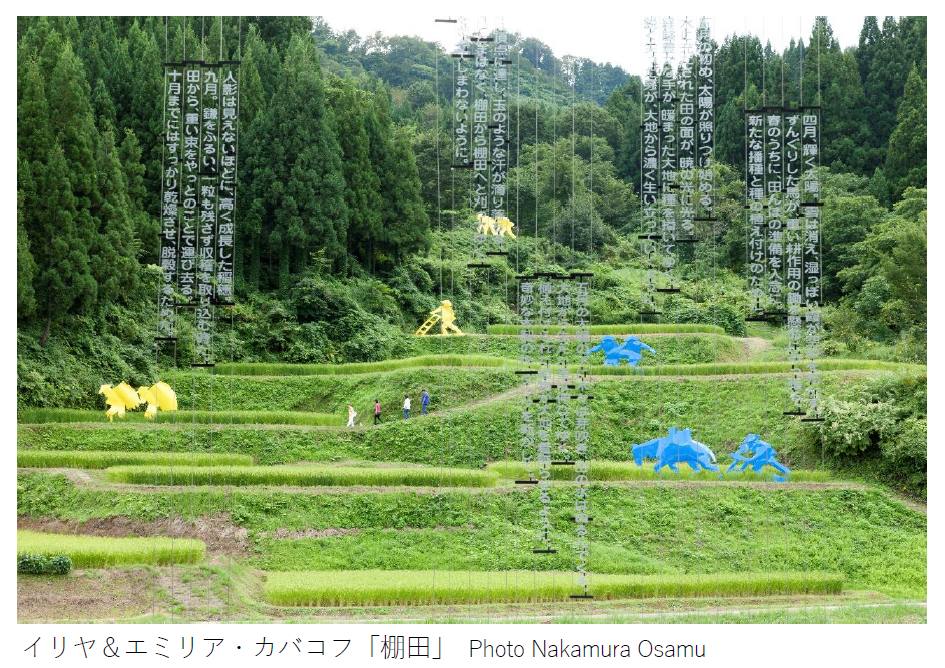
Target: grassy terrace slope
column 672, row 348
column 626, row 410
column 876, row 542
column 331, row 393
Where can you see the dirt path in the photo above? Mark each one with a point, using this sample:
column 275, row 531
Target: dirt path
column 755, row 345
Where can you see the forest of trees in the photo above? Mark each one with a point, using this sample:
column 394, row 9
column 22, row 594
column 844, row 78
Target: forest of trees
column 338, row 184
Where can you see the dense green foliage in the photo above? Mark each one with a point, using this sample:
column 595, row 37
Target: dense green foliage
column 348, row 233
column 28, row 563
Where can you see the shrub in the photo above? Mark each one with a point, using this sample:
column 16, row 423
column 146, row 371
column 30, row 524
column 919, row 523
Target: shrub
column 906, row 455
column 852, row 428
column 42, row 564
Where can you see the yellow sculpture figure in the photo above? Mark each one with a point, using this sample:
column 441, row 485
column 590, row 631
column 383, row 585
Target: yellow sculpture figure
column 147, row 395
column 504, row 226
column 487, row 225
column 116, row 405
column 166, row 398
column 128, row 395
column 160, row 395
column 443, row 314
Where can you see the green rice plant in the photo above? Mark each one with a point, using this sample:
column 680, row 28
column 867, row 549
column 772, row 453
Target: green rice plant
column 602, row 470
column 738, row 368
column 44, row 415
column 304, row 475
column 283, row 369
column 100, row 459
column 98, row 551
column 629, row 328
column 372, row 587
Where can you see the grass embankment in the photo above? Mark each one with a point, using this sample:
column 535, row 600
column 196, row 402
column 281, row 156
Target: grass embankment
column 425, row 587
column 302, row 476
column 671, row 349
column 100, row 459
column 219, row 417
column 874, row 540
column 750, row 368
column 628, row 328
column 602, row 470
column 449, row 387
column 719, row 411
column 98, row 551
column 422, row 361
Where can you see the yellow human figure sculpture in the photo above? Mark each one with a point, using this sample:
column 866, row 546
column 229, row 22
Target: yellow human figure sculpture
column 128, row 395
column 166, row 397
column 443, row 314
column 487, row 225
column 116, row 405
column 504, row 226
column 147, row 394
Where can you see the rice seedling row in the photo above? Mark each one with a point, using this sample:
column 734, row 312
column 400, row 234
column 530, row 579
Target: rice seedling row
column 372, row 587
column 99, row 551
column 100, row 459
column 306, row 475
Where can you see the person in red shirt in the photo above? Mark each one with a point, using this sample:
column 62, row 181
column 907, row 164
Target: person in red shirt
column 377, row 411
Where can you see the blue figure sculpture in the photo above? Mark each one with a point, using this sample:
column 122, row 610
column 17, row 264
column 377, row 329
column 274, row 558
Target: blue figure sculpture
column 630, row 350
column 677, row 447
column 757, row 454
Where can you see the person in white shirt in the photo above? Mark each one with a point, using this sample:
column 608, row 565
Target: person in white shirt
column 406, row 406
column 351, row 415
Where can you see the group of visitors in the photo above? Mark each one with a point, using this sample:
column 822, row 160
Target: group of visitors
column 424, row 406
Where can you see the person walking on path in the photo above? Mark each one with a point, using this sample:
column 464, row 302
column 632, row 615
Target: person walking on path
column 351, row 415
column 377, row 412
column 406, row 406
column 424, row 402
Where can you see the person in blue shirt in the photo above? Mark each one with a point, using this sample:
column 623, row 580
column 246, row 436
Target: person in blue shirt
column 424, row 402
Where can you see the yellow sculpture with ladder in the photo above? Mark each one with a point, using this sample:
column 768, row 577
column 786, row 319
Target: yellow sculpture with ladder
column 443, row 314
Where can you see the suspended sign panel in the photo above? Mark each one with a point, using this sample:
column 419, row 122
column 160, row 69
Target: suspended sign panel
column 170, row 199
column 226, row 209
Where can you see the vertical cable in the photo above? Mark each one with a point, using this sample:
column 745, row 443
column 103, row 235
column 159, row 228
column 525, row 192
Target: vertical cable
column 436, row 139
column 518, row 156
column 573, row 71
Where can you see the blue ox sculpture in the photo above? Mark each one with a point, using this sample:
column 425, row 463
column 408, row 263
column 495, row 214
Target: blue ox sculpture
column 757, row 454
column 677, row 447
column 630, row 350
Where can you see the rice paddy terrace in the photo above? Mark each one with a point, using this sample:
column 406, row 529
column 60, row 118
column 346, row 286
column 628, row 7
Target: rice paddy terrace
column 254, row 502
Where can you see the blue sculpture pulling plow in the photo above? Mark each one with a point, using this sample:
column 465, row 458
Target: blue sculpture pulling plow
column 677, row 447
